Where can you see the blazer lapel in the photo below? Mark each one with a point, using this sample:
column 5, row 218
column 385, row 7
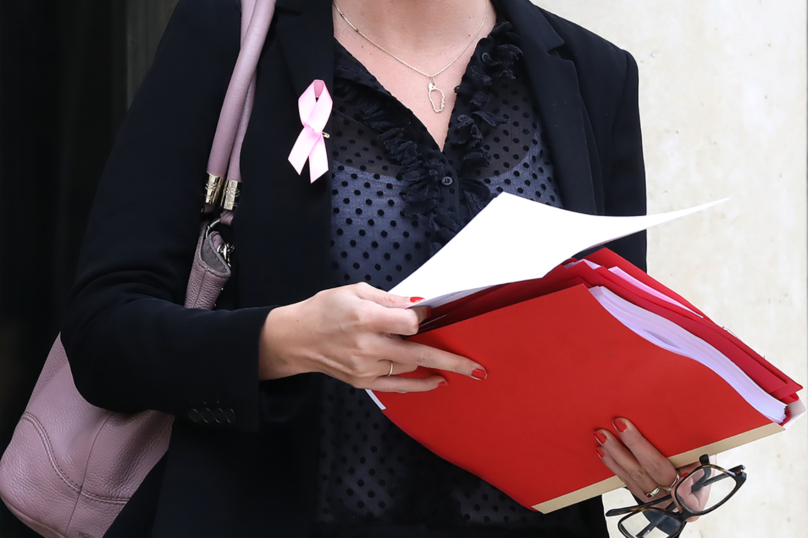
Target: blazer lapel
column 307, row 42
column 554, row 81
column 283, row 221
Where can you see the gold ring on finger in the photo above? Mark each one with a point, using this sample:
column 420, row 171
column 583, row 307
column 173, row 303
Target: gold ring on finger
column 391, row 369
column 670, row 488
column 653, row 493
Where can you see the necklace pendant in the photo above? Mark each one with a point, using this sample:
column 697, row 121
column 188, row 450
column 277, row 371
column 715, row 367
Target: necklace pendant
column 434, row 88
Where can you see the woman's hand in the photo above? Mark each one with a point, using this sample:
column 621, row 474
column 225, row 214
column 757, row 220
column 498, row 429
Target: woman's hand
column 640, row 466
column 353, row 333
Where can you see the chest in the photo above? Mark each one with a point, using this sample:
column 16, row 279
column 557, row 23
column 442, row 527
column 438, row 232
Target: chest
column 395, row 197
column 430, row 98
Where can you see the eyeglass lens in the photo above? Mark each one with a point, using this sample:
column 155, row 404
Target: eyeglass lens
column 704, row 489
column 650, row 524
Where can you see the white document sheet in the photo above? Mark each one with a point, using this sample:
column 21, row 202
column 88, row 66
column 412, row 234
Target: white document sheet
column 515, row 239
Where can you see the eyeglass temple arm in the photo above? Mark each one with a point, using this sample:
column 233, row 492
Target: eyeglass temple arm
column 705, row 481
column 654, row 524
column 629, row 509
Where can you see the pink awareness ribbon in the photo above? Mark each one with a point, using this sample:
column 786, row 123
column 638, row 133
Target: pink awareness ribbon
column 315, row 108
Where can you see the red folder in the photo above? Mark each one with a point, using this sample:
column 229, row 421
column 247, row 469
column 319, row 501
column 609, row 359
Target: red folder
column 736, row 350
column 560, row 367
column 767, row 376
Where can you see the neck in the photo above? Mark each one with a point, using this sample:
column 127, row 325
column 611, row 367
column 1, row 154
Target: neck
column 425, row 27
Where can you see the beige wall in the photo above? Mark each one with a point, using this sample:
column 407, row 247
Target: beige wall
column 723, row 94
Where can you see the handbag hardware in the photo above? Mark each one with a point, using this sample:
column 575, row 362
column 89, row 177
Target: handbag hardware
column 219, row 191
column 213, row 189
column 225, row 249
column 232, row 190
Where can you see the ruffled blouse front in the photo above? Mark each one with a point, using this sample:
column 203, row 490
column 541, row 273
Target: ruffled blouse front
column 397, row 199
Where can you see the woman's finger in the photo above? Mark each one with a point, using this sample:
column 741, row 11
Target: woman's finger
column 380, row 319
column 695, row 500
column 650, row 459
column 633, row 471
column 422, row 312
column 624, row 476
column 394, row 321
column 367, row 292
column 430, row 357
column 406, row 384
column 398, row 368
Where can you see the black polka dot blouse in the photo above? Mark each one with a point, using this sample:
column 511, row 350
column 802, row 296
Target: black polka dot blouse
column 396, row 200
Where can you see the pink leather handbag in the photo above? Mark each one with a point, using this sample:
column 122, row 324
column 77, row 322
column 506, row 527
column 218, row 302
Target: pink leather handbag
column 71, row 467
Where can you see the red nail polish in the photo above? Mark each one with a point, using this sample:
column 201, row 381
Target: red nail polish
column 600, row 437
column 443, row 383
column 601, row 453
column 416, row 299
column 620, row 425
column 479, row 373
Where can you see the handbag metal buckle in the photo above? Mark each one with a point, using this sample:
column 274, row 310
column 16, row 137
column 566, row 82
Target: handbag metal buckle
column 225, row 250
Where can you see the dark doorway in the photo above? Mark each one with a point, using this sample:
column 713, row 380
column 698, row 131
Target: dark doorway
column 66, row 73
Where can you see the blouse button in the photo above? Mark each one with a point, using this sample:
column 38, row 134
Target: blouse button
column 447, row 181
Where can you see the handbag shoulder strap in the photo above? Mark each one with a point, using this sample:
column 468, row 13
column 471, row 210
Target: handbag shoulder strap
column 224, row 172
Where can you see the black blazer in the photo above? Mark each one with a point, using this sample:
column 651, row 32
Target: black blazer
column 132, row 347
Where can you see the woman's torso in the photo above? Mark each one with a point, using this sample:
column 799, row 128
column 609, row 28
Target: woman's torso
column 217, row 482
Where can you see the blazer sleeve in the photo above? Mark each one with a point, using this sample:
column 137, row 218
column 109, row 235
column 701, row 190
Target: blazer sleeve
column 624, row 184
column 130, row 343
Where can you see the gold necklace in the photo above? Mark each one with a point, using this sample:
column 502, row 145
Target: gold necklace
column 433, row 86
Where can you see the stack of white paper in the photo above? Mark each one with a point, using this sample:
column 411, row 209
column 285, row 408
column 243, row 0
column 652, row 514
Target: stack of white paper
column 667, row 335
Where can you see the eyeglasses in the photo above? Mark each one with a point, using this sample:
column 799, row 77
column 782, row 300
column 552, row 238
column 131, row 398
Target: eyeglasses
column 698, row 493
